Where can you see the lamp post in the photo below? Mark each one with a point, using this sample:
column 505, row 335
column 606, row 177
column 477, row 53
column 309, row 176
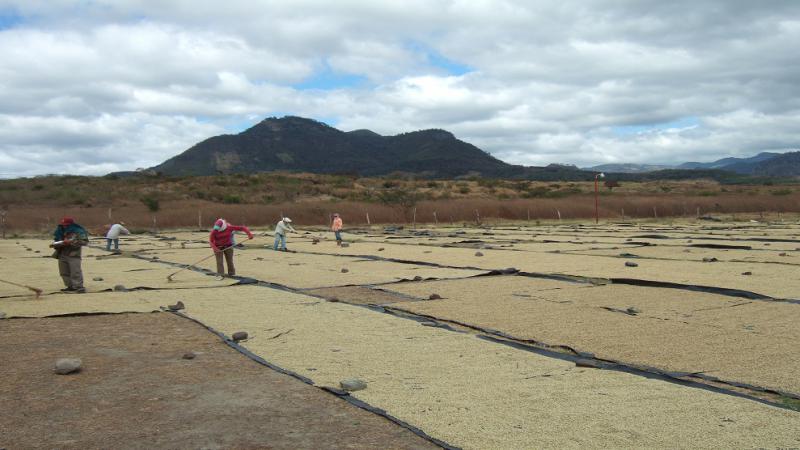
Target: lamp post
column 596, row 208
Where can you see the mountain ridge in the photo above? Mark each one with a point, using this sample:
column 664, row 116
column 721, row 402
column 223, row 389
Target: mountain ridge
column 297, row 144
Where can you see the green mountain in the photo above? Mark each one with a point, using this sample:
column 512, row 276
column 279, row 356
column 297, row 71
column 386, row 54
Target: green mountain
column 304, row 145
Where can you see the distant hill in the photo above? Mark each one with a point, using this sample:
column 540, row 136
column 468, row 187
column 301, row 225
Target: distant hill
column 782, row 165
column 303, row 145
column 628, row 168
column 738, row 165
column 764, row 164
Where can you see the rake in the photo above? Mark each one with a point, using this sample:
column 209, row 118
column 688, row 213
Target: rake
column 37, row 291
column 169, row 277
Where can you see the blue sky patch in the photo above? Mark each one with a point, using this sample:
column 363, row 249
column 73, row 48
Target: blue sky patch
column 327, row 79
column 684, row 122
column 9, row 19
column 437, row 60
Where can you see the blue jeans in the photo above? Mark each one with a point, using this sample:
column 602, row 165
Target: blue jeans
column 116, row 244
column 280, row 239
column 338, row 234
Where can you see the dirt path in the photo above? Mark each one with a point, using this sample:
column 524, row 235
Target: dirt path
column 136, row 391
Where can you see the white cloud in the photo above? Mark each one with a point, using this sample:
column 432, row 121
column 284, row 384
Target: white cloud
column 118, row 84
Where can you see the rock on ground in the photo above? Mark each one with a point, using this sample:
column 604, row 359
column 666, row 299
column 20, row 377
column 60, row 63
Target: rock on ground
column 66, row 366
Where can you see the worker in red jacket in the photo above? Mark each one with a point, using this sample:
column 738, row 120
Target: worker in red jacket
column 221, row 240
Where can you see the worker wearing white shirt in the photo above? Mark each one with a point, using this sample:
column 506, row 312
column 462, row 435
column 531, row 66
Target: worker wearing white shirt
column 281, row 228
column 113, row 235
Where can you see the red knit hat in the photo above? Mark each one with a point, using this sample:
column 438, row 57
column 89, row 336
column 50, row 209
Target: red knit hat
column 67, row 221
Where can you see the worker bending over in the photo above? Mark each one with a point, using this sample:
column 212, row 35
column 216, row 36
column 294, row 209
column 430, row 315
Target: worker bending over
column 221, row 240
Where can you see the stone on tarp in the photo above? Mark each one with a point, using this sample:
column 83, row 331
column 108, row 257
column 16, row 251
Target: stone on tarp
column 345, row 270
column 353, row 384
column 177, row 306
column 97, row 279
column 631, row 264
column 120, row 288
column 478, row 254
column 239, row 336
column 587, row 363
column 189, row 355
column 434, row 297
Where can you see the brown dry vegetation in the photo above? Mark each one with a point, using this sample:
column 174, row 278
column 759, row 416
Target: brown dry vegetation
column 34, row 204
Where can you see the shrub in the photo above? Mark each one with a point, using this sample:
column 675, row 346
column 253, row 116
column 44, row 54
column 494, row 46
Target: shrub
column 538, row 191
column 151, row 203
column 232, row 199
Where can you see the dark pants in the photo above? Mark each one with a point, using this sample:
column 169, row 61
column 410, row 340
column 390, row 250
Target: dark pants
column 228, row 258
column 69, row 267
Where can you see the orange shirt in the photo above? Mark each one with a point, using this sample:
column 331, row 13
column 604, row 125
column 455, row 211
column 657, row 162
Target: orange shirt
column 337, row 224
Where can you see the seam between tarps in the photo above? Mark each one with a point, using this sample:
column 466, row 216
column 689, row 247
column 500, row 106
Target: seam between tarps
column 564, row 277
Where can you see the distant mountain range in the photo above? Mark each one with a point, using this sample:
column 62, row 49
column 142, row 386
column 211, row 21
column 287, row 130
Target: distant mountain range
column 297, row 144
column 765, row 164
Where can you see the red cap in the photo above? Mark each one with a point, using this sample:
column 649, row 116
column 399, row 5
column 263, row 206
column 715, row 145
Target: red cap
column 67, row 221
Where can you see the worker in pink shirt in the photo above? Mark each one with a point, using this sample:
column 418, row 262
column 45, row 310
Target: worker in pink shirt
column 337, row 228
column 221, row 240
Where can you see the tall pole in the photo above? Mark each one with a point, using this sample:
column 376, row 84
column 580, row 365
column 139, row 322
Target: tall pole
column 596, row 203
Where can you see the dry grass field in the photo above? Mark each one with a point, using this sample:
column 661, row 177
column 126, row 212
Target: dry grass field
column 154, row 203
column 626, row 334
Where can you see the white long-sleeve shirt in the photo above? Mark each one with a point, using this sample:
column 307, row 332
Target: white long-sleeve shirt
column 116, row 230
column 282, row 227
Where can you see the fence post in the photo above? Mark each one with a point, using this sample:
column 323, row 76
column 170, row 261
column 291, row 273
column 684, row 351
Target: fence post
column 368, row 218
column 109, row 214
column 623, row 213
column 559, row 215
column 477, row 218
column 655, row 213
column 199, row 220
column 414, row 219
column 155, row 225
column 529, row 215
column 435, row 219
column 3, row 214
column 698, row 211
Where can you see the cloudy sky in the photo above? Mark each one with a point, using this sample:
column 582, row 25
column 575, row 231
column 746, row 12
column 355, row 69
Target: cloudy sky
column 94, row 86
